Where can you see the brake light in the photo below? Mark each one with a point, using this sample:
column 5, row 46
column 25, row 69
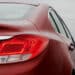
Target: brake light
column 21, row 48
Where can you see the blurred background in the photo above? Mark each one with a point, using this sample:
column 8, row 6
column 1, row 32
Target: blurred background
column 65, row 8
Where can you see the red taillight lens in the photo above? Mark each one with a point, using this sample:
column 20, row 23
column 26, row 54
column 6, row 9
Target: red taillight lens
column 21, row 48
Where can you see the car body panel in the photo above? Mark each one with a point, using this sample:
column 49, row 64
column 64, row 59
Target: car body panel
column 41, row 22
column 55, row 60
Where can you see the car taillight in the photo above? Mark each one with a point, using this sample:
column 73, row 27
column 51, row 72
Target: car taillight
column 21, row 48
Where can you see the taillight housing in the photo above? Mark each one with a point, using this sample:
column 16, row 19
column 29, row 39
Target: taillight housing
column 21, row 48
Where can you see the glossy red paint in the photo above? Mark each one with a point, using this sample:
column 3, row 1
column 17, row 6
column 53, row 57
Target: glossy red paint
column 55, row 59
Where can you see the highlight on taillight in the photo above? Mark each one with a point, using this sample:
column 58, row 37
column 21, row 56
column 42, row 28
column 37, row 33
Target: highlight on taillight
column 21, row 48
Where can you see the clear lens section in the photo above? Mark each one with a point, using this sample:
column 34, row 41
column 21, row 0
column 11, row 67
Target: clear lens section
column 3, row 59
column 14, row 58
column 5, row 37
column 26, row 56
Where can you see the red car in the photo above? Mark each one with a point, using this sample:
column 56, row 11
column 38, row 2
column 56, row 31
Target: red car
column 34, row 40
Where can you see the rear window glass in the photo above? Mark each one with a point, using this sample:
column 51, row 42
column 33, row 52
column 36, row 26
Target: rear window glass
column 15, row 11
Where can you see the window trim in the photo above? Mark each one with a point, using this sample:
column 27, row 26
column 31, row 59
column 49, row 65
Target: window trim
column 60, row 19
column 65, row 34
column 61, row 23
column 54, row 21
